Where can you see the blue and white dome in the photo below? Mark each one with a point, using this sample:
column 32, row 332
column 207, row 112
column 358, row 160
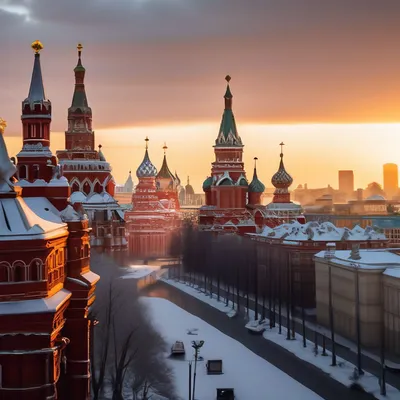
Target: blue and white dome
column 146, row 168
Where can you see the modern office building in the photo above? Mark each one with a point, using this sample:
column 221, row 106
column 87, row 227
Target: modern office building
column 390, row 180
column 346, row 182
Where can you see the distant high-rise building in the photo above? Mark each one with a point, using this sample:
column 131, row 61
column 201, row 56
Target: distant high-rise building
column 346, row 182
column 390, row 179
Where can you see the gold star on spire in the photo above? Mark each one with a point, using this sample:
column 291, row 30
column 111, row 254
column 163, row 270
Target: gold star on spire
column 37, row 45
column 3, row 125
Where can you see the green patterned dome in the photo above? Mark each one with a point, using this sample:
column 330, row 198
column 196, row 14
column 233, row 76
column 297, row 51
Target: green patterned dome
column 256, row 186
column 207, row 183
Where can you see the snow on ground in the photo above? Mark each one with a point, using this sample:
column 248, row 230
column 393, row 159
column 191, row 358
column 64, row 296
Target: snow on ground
column 139, row 271
column 247, row 373
column 343, row 372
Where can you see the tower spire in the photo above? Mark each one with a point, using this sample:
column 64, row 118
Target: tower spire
column 228, row 134
column 36, row 89
column 228, row 94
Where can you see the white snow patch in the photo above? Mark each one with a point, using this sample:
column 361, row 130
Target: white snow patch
column 342, row 373
column 139, row 271
column 248, row 374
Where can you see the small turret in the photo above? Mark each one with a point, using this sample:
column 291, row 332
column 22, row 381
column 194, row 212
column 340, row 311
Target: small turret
column 256, row 187
column 165, row 178
column 281, row 181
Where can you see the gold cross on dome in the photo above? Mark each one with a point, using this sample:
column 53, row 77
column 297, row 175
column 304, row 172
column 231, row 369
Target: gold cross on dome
column 3, row 125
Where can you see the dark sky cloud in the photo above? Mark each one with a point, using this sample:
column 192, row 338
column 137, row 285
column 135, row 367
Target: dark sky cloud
column 157, row 61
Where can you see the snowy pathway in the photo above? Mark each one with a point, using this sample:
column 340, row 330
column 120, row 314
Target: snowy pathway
column 251, row 376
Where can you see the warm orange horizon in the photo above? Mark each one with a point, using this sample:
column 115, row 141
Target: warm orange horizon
column 313, row 152
column 321, row 76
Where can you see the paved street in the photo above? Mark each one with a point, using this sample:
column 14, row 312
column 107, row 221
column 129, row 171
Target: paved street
column 308, row 375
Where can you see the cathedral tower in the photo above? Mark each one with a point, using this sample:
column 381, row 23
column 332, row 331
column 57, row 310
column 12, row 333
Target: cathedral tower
column 35, row 158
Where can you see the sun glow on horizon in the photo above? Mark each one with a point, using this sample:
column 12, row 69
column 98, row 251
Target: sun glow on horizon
column 313, row 153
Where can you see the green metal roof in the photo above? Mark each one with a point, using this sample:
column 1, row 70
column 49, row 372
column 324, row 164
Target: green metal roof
column 256, row 186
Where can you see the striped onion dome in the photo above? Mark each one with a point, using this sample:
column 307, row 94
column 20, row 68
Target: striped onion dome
column 146, row 168
column 281, row 179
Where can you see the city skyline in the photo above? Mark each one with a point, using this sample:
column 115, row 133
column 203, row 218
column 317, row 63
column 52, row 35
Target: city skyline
column 329, row 92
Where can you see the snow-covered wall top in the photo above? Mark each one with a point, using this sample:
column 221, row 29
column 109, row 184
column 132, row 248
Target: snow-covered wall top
column 325, row 231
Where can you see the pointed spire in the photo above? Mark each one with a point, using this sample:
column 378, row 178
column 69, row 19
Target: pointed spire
column 7, row 168
column 228, row 94
column 79, row 99
column 228, row 134
column 165, row 171
column 36, row 90
column 256, row 186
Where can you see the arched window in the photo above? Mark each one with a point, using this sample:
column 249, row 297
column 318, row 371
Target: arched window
column 86, row 188
column 5, row 272
column 75, row 186
column 23, row 172
column 36, row 270
column 97, row 187
column 35, row 172
column 20, row 271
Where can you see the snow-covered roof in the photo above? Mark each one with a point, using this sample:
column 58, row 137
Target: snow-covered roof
column 61, row 181
column 392, row 272
column 325, row 231
column 376, row 197
column 77, row 197
column 20, row 222
column 43, row 305
column 369, row 259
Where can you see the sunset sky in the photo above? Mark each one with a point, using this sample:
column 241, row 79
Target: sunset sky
column 322, row 76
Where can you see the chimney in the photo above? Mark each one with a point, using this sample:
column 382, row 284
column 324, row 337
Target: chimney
column 330, row 251
column 355, row 252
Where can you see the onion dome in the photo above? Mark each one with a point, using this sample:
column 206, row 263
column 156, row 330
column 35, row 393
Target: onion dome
column 146, row 168
column 281, row 179
column 189, row 188
column 242, row 181
column 256, row 186
column 207, row 183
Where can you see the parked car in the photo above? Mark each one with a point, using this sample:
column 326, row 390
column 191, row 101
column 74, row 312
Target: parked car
column 178, row 348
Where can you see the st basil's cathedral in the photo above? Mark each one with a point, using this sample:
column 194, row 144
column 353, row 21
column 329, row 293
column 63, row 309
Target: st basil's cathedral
column 233, row 205
column 155, row 216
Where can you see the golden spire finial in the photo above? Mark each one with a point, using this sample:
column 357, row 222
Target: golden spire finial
column 37, row 45
column 79, row 47
column 228, row 78
column 165, row 148
column 3, row 125
column 147, row 142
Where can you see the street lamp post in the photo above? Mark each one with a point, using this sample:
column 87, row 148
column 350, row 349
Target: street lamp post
column 196, row 344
